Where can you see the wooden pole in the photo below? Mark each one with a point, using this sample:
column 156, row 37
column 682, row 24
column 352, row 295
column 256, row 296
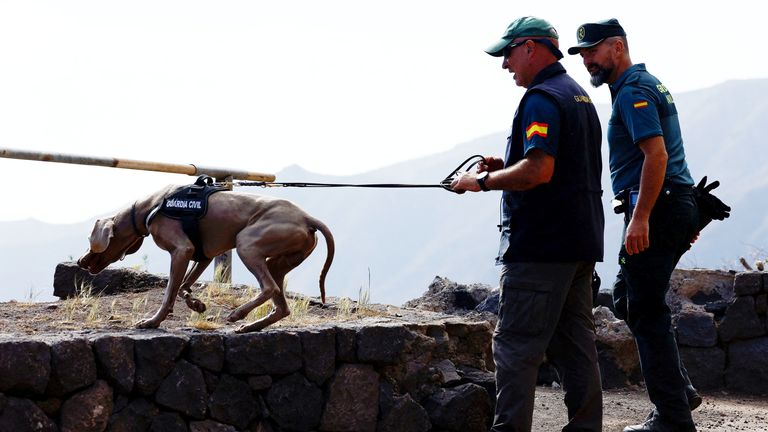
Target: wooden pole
column 222, row 263
column 190, row 169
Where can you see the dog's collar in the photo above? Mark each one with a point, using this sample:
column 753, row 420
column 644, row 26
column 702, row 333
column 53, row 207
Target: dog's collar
column 133, row 221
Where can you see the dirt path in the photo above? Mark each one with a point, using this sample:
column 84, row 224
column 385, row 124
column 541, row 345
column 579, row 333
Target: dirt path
column 720, row 412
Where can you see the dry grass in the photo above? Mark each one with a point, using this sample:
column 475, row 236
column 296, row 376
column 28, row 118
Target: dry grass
column 225, row 296
column 89, row 310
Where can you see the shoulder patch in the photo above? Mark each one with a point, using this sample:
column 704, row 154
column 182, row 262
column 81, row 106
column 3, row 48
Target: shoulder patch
column 536, row 128
column 640, row 104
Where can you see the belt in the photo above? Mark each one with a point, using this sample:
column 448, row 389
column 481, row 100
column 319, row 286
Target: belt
column 619, row 202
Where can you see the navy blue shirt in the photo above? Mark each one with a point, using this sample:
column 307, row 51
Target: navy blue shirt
column 643, row 108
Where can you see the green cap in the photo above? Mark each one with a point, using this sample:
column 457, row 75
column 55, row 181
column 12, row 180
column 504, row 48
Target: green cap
column 522, row 27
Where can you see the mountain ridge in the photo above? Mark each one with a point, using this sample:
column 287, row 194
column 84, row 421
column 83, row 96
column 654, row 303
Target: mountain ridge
column 404, row 238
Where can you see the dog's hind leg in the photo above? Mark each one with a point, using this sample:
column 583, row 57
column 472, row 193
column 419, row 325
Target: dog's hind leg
column 278, row 268
column 257, row 265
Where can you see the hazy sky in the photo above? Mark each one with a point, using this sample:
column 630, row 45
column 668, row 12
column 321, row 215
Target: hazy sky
column 338, row 87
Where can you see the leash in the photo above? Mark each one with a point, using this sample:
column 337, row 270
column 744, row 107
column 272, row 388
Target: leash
column 444, row 184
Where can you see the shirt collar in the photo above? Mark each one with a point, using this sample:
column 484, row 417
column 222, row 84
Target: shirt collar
column 616, row 86
column 547, row 73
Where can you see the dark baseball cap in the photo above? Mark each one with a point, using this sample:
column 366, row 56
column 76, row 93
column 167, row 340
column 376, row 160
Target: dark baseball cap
column 523, row 27
column 591, row 34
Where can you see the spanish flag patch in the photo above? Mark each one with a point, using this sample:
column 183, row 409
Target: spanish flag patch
column 536, row 128
column 640, row 104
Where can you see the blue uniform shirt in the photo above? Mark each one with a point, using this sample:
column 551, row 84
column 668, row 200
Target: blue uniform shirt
column 643, row 108
column 541, row 120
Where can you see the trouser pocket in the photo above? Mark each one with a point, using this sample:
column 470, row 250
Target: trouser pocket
column 524, row 306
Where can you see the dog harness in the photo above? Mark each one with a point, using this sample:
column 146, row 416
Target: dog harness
column 189, row 204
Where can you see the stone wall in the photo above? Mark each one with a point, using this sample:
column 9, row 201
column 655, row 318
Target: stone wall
column 377, row 377
column 720, row 320
column 721, row 329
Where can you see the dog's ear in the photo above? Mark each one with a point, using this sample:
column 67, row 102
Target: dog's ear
column 102, row 232
column 135, row 246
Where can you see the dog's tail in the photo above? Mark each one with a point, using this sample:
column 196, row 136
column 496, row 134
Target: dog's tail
column 331, row 246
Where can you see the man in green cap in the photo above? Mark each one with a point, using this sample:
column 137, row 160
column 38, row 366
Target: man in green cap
column 650, row 177
column 551, row 233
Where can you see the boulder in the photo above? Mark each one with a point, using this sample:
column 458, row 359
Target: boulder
column 748, row 283
column 69, row 280
column 88, row 410
column 491, row 303
column 295, row 403
column 444, row 295
column 741, row 321
column 210, row 426
column 747, row 370
column 168, row 422
column 115, row 362
column 465, row 408
column 484, row 379
column 155, row 353
column 696, row 328
column 404, row 415
column 184, row 390
column 20, row 415
column 346, row 345
column 73, row 366
column 353, row 400
column 318, row 354
column 447, row 372
column 137, row 416
column 207, row 351
column 705, row 366
column 25, row 367
column 233, row 403
column 605, row 298
column 370, row 348
column 616, row 349
column 699, row 288
column 266, row 353
column 260, row 382
column 761, row 304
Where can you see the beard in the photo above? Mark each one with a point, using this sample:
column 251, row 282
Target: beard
column 599, row 78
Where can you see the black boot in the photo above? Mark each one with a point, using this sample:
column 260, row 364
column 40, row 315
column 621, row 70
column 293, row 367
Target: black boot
column 694, row 400
column 657, row 424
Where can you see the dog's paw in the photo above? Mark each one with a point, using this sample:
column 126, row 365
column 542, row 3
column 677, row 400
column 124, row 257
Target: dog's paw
column 147, row 324
column 195, row 304
column 236, row 315
column 249, row 328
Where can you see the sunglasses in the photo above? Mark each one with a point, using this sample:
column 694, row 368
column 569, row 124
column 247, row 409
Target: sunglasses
column 546, row 42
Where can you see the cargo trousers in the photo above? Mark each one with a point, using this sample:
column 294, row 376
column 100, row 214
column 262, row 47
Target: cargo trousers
column 639, row 298
column 546, row 308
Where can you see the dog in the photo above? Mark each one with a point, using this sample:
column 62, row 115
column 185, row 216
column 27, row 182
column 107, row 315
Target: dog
column 272, row 236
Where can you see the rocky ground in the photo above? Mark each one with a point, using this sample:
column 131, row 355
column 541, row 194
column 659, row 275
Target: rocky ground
column 719, row 412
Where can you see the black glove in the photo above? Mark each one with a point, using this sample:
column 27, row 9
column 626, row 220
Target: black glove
column 710, row 206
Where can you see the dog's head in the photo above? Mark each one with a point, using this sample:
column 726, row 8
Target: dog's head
column 111, row 240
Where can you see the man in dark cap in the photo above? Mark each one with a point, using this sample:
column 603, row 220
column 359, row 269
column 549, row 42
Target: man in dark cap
column 650, row 179
column 551, row 233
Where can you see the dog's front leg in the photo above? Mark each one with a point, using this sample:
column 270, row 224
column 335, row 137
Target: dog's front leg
column 179, row 264
column 186, row 286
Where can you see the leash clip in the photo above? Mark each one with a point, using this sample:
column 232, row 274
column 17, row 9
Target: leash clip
column 469, row 163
